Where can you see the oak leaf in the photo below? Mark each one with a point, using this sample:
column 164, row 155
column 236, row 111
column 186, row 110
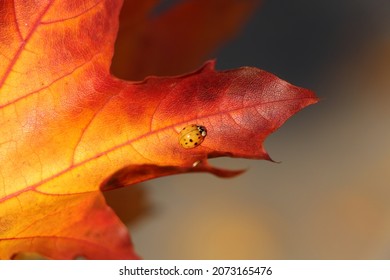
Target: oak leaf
column 69, row 129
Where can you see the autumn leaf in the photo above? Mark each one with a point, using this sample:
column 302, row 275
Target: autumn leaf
column 178, row 40
column 69, row 129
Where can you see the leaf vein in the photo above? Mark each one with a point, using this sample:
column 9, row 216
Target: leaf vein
column 50, row 84
column 75, row 16
column 71, row 167
column 23, row 43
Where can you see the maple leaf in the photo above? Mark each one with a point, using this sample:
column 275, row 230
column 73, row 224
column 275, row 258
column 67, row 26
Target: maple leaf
column 69, row 129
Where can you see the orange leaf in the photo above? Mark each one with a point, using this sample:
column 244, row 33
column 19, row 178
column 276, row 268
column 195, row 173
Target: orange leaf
column 63, row 227
column 177, row 40
column 68, row 127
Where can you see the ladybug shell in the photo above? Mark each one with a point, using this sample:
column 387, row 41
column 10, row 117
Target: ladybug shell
column 192, row 136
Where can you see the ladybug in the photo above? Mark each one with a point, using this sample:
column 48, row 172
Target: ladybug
column 192, row 136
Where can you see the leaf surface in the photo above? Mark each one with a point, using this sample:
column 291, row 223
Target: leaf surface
column 68, row 128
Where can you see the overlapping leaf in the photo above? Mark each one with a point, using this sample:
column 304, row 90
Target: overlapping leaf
column 177, row 40
column 68, row 127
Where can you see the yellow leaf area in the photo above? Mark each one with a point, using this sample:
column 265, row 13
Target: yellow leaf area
column 54, row 69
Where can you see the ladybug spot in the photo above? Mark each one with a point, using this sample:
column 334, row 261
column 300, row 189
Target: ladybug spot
column 196, row 143
column 198, row 137
column 186, row 143
column 197, row 134
column 191, row 140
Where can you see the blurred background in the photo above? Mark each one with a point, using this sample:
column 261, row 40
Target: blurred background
column 329, row 198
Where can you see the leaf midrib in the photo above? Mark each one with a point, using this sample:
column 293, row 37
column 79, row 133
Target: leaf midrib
column 73, row 166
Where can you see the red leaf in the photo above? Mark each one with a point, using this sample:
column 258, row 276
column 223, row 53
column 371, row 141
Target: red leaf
column 68, row 127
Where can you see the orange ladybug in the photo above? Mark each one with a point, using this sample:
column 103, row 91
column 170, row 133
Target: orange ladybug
column 192, row 136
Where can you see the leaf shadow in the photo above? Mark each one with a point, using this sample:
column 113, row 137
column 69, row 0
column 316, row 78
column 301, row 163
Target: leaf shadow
column 131, row 204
